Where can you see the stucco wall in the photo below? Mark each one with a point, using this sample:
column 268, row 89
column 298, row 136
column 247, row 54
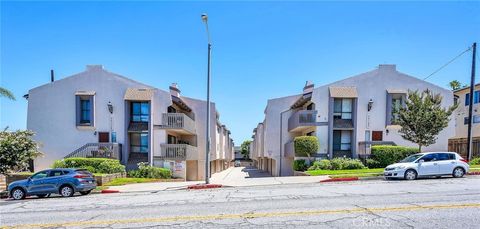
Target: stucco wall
column 462, row 111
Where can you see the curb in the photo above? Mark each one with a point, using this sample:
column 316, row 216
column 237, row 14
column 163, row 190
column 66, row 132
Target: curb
column 107, row 191
column 204, row 186
column 474, row 173
column 340, row 179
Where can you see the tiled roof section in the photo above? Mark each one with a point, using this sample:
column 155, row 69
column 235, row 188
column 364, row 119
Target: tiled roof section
column 396, row 91
column 179, row 102
column 139, row 94
column 137, row 126
column 343, row 92
column 342, row 123
column 302, row 100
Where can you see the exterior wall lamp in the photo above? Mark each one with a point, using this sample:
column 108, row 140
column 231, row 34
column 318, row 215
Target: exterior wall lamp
column 370, row 104
column 110, row 107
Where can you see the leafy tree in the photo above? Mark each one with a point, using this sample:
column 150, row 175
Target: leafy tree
column 245, row 148
column 306, row 146
column 455, row 84
column 16, row 150
column 423, row 118
column 6, row 93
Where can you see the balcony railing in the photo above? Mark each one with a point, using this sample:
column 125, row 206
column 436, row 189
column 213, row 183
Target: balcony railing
column 98, row 150
column 178, row 121
column 177, row 152
column 302, row 118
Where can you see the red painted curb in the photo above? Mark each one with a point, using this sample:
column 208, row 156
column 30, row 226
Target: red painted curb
column 204, row 186
column 106, row 191
column 473, row 173
column 340, row 179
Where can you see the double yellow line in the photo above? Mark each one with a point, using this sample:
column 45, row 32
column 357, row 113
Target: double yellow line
column 243, row 215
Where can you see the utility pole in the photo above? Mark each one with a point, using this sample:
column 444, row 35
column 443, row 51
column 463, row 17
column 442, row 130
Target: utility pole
column 470, row 108
column 207, row 140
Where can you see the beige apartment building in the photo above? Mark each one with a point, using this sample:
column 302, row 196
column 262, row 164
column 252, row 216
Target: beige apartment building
column 97, row 113
column 458, row 143
column 347, row 117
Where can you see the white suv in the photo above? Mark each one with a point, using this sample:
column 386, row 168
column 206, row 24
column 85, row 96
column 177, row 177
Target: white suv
column 428, row 164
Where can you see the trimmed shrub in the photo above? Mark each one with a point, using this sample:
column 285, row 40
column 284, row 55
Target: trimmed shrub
column 299, row 165
column 94, row 165
column 322, row 164
column 373, row 164
column 386, row 155
column 146, row 171
column 340, row 163
column 305, row 146
column 475, row 161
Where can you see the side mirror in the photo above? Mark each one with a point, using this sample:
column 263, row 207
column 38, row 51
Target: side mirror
column 421, row 161
column 29, row 179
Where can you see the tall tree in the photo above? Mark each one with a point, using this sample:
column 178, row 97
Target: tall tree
column 455, row 84
column 422, row 118
column 6, row 93
column 245, row 148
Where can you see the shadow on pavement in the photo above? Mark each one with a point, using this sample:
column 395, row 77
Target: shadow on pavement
column 255, row 173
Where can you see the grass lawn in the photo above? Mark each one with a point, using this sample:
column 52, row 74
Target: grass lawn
column 357, row 175
column 352, row 172
column 130, row 180
column 474, row 167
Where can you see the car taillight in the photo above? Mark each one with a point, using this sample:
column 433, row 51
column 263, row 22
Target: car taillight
column 80, row 176
column 461, row 159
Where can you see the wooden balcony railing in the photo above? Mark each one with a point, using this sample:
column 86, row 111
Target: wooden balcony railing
column 177, row 152
column 178, row 121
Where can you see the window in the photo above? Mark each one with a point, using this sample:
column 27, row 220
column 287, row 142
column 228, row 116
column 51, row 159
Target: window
column 429, row 157
column 39, row 175
column 342, row 108
column 84, row 110
column 140, row 112
column 443, row 157
column 476, row 119
column 342, row 140
column 55, row 173
column 476, row 98
column 139, row 142
column 467, row 99
column 311, row 106
column 395, row 101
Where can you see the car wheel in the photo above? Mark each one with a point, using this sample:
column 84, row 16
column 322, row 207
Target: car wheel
column 85, row 192
column 42, row 195
column 18, row 194
column 458, row 172
column 66, row 191
column 410, row 174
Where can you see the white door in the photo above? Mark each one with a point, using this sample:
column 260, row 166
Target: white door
column 429, row 166
column 446, row 163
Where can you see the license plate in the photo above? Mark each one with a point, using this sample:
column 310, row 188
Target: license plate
column 90, row 182
column 387, row 174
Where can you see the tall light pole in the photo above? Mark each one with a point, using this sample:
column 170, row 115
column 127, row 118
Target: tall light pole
column 207, row 140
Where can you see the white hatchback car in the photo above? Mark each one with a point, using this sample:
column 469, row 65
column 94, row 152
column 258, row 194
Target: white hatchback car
column 428, row 164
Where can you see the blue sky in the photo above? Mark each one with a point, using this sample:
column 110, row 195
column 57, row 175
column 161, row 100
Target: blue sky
column 261, row 50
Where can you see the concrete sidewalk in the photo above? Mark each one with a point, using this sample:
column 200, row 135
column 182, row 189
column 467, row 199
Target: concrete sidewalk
column 233, row 176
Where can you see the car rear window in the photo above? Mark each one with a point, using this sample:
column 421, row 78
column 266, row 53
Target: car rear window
column 83, row 171
column 452, row 156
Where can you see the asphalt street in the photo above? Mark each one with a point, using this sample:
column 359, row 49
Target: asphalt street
column 427, row 203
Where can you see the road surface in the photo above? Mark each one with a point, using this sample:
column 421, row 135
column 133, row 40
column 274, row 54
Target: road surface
column 428, row 203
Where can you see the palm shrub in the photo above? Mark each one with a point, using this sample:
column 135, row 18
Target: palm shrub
column 386, row 154
column 146, row 171
column 305, row 146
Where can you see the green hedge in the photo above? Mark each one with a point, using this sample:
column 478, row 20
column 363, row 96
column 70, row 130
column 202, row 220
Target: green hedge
column 146, row 171
column 386, row 155
column 337, row 164
column 300, row 165
column 475, row 161
column 305, row 146
column 94, row 165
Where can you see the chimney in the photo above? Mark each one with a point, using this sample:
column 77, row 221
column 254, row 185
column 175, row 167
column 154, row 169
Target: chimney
column 94, row 67
column 174, row 90
column 52, row 76
column 387, row 67
column 308, row 87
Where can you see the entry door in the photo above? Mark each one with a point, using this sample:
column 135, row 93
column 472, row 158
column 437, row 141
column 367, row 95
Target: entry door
column 103, row 137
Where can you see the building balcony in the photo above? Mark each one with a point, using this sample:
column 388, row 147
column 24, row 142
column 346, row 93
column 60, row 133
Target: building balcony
column 177, row 152
column 178, row 122
column 302, row 120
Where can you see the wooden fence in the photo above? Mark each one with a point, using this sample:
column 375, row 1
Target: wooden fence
column 459, row 145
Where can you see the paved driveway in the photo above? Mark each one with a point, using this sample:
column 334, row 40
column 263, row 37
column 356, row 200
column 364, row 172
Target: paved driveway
column 250, row 176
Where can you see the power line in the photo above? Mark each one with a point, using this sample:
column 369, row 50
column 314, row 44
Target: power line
column 449, row 62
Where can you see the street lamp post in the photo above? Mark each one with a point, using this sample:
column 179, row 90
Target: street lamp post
column 207, row 140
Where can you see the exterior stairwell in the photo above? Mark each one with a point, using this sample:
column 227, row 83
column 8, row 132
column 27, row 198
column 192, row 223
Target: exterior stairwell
column 98, row 150
column 134, row 159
